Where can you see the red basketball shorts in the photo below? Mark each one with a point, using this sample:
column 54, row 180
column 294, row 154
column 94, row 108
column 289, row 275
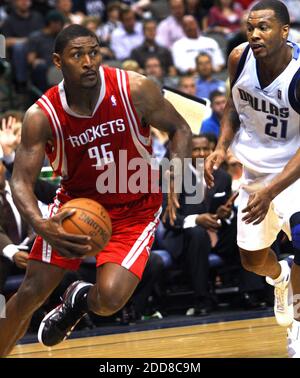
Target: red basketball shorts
column 133, row 228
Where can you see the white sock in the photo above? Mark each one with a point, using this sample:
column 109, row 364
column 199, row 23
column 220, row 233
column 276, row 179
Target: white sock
column 281, row 275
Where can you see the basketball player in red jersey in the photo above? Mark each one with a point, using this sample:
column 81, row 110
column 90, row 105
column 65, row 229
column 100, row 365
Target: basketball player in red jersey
column 82, row 124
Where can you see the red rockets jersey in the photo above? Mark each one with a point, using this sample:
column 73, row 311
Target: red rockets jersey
column 105, row 156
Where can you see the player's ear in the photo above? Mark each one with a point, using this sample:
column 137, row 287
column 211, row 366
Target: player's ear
column 285, row 31
column 56, row 60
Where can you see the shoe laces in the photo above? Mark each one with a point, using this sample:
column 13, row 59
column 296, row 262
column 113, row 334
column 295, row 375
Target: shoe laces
column 68, row 316
column 280, row 297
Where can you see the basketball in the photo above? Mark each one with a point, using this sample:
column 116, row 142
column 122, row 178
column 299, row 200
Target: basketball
column 90, row 219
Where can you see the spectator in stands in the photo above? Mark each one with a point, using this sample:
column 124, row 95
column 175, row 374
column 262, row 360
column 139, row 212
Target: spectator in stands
column 195, row 8
column 90, row 7
column 206, row 83
column 212, row 124
column 187, row 85
column 65, row 8
column 10, row 132
column 112, row 23
column 150, row 48
column 170, row 30
column 40, row 48
column 224, row 17
column 194, row 234
column 128, row 36
column 239, row 37
column 131, row 65
column 9, row 140
column 13, row 231
column 154, row 71
column 19, row 24
column 186, row 49
column 92, row 23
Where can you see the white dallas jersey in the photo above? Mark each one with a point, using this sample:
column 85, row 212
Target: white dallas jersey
column 269, row 134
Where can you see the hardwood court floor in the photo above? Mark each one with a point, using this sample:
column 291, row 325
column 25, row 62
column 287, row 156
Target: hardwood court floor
column 244, row 338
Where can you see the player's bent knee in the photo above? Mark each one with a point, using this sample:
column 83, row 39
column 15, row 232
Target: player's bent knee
column 295, row 231
column 108, row 301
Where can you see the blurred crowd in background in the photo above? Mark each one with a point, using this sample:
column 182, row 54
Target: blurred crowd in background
column 180, row 44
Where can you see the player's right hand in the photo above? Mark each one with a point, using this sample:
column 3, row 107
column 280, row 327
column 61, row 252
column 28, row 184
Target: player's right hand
column 67, row 245
column 212, row 163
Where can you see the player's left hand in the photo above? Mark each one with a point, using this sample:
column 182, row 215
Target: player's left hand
column 257, row 207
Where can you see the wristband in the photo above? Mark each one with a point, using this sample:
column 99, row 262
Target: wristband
column 9, row 251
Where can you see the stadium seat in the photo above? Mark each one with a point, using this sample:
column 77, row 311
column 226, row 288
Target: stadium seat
column 13, row 283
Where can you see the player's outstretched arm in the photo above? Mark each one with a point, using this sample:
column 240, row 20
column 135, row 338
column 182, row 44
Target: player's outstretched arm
column 36, row 132
column 156, row 111
column 229, row 123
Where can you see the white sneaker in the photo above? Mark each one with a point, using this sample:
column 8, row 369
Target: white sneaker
column 293, row 341
column 283, row 303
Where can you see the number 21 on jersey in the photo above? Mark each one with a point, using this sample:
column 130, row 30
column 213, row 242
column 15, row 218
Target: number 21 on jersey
column 276, row 128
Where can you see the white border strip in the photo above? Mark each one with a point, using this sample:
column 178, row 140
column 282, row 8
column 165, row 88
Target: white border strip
column 141, row 242
column 55, row 163
column 64, row 102
column 64, row 168
column 141, row 149
column 142, row 139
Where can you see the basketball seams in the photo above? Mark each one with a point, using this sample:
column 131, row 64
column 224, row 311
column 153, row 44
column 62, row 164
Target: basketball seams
column 83, row 233
column 90, row 202
column 88, row 211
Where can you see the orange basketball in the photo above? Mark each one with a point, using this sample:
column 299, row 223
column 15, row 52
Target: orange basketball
column 90, row 219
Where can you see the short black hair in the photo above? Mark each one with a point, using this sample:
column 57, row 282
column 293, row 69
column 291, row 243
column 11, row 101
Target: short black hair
column 54, row 16
column 149, row 21
column 279, row 8
column 68, row 34
column 216, row 93
column 211, row 137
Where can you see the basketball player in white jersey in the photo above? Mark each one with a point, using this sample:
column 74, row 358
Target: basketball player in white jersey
column 261, row 125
